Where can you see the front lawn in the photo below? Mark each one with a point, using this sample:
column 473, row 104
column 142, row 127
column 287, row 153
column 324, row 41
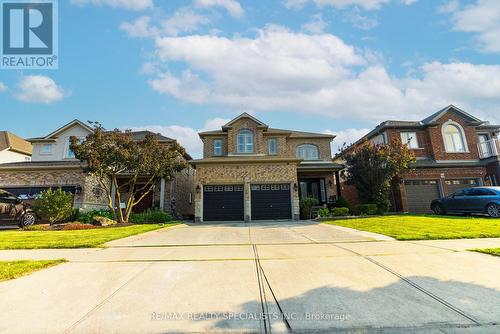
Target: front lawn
column 414, row 227
column 70, row 239
column 491, row 251
column 15, row 269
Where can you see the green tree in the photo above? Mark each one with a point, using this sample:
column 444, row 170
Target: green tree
column 54, row 205
column 371, row 168
column 114, row 155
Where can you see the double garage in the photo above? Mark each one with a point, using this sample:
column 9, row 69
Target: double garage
column 227, row 202
column 420, row 193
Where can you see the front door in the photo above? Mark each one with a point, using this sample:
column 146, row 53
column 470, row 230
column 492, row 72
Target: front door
column 313, row 188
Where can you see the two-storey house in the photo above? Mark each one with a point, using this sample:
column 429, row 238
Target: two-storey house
column 453, row 150
column 13, row 148
column 250, row 171
column 53, row 165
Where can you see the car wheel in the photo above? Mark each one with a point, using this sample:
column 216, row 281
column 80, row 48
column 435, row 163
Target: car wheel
column 28, row 219
column 438, row 209
column 493, row 210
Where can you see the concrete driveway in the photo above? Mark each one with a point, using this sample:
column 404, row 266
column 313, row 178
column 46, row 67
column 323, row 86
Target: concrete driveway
column 259, row 277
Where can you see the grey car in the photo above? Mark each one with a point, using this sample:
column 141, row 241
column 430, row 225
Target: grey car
column 470, row 200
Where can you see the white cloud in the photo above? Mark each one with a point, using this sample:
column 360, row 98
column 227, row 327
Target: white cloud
column 342, row 4
column 39, row 89
column 280, row 70
column 140, row 28
column 232, row 6
column 346, row 136
column 186, row 136
column 449, row 7
column 183, row 20
column 3, row 87
column 127, row 4
column 360, row 21
column 316, row 25
column 481, row 18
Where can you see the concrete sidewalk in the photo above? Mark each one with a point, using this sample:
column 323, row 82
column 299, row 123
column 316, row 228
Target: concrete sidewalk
column 223, row 278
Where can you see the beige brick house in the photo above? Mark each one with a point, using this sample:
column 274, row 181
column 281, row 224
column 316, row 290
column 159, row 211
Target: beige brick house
column 250, row 171
column 454, row 150
column 53, row 165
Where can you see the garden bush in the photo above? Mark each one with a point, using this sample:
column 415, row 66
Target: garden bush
column 88, row 217
column 341, row 203
column 366, row 209
column 35, row 228
column 324, row 212
column 338, row 212
column 150, row 216
column 54, row 205
column 306, row 205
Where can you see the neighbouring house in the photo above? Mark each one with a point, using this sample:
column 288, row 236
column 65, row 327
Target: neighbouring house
column 250, row 171
column 14, row 148
column 53, row 165
column 453, row 149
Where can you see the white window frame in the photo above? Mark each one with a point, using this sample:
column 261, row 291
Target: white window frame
column 245, row 141
column 48, row 151
column 272, row 148
column 410, row 139
column 463, row 139
column 302, row 152
column 217, row 147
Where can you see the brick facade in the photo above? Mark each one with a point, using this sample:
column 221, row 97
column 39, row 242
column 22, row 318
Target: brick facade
column 246, row 174
column 433, row 160
column 90, row 194
column 234, row 168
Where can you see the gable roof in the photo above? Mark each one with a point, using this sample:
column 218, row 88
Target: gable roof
column 14, row 143
column 244, row 115
column 141, row 135
column 63, row 128
column 451, row 108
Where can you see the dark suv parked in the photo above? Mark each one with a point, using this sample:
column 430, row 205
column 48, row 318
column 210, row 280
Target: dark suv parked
column 13, row 210
column 470, row 200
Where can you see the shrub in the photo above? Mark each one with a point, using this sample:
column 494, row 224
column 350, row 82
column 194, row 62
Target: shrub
column 306, row 205
column 341, row 203
column 366, row 209
column 54, row 205
column 337, row 212
column 35, row 228
column 88, row 217
column 324, row 212
column 150, row 216
column 77, row 226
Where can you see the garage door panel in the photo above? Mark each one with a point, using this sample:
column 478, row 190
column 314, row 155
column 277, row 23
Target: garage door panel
column 271, row 202
column 420, row 194
column 223, row 203
column 459, row 184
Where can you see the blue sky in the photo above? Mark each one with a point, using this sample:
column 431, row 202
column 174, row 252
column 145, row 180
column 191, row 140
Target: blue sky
column 337, row 66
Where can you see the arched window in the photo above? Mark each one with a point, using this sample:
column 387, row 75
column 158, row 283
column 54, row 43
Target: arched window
column 245, row 141
column 307, row 152
column 454, row 140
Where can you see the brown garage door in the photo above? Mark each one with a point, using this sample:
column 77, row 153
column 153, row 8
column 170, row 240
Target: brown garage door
column 458, row 184
column 420, row 194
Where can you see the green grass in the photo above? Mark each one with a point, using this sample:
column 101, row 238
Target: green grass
column 491, row 251
column 414, row 227
column 70, row 239
column 15, row 269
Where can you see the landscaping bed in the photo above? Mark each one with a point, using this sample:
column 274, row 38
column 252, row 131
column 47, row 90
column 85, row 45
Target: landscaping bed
column 15, row 269
column 421, row 227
